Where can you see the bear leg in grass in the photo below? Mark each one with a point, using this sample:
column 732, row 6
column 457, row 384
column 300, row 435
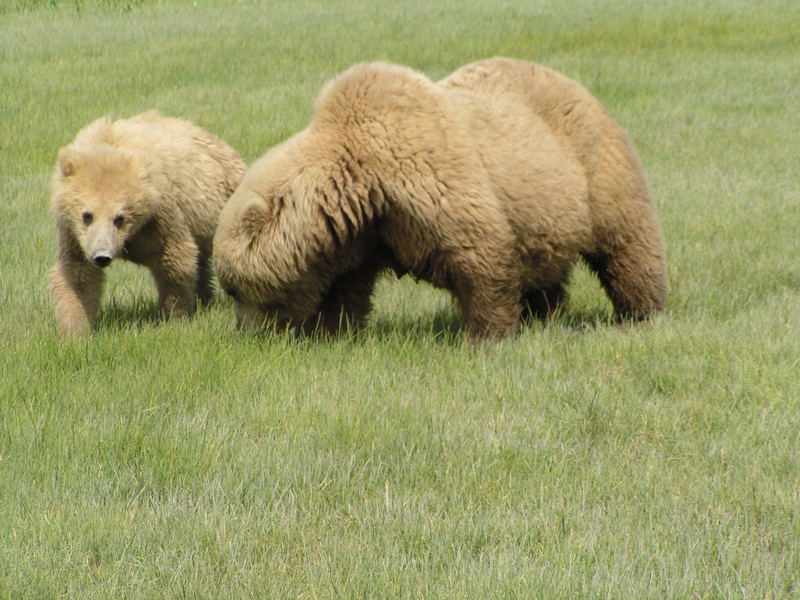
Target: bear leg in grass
column 491, row 184
column 542, row 304
column 148, row 189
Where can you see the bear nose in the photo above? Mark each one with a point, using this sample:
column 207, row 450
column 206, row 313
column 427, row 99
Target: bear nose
column 101, row 260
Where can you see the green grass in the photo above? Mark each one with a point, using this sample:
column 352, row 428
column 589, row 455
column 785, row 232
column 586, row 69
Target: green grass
column 577, row 460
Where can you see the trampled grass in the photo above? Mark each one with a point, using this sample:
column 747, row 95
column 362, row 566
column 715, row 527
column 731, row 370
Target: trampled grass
column 577, row 460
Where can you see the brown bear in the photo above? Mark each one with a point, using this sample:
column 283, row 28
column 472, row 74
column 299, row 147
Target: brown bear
column 148, row 189
column 489, row 183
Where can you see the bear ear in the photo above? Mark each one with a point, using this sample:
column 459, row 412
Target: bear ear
column 254, row 220
column 67, row 162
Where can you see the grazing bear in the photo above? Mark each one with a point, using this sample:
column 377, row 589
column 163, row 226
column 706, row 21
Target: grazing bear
column 148, row 189
column 489, row 183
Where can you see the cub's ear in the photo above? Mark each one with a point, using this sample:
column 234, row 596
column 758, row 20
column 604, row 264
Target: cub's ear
column 67, row 162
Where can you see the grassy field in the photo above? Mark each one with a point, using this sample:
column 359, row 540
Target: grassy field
column 577, row 460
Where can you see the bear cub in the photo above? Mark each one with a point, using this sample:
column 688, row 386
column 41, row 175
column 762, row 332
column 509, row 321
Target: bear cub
column 148, row 189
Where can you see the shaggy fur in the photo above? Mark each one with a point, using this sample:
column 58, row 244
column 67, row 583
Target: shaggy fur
column 148, row 189
column 489, row 183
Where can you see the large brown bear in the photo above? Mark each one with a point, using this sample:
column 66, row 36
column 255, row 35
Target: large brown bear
column 148, row 189
column 489, row 183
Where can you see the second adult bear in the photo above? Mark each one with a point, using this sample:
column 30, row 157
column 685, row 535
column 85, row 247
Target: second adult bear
column 490, row 183
column 148, row 189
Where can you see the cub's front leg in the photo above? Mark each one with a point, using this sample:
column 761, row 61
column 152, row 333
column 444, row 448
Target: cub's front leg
column 76, row 287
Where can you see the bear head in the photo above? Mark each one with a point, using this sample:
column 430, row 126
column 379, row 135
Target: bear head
column 280, row 241
column 266, row 264
column 102, row 197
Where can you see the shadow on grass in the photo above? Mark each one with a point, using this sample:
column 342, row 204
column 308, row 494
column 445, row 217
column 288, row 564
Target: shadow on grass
column 447, row 327
column 577, row 320
column 139, row 314
column 116, row 317
column 444, row 327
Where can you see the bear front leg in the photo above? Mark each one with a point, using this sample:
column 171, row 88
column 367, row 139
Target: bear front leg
column 175, row 273
column 485, row 277
column 488, row 293
column 461, row 241
column 348, row 302
column 543, row 303
column 76, row 288
column 491, row 311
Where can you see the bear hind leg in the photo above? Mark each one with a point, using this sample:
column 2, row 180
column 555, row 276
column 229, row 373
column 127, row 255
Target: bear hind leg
column 633, row 277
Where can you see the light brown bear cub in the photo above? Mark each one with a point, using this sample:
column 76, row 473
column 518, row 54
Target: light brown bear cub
column 489, row 183
column 148, row 189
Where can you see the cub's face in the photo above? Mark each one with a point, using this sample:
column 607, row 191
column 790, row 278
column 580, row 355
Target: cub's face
column 103, row 199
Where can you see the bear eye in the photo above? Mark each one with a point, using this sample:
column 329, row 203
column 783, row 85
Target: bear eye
column 87, row 217
column 119, row 220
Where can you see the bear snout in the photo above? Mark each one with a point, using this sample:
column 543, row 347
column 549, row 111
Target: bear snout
column 102, row 259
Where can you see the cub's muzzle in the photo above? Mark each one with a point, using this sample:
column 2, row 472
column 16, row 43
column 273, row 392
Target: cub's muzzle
column 102, row 259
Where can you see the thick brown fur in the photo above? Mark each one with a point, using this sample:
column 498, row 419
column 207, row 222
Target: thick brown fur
column 148, row 189
column 489, row 183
